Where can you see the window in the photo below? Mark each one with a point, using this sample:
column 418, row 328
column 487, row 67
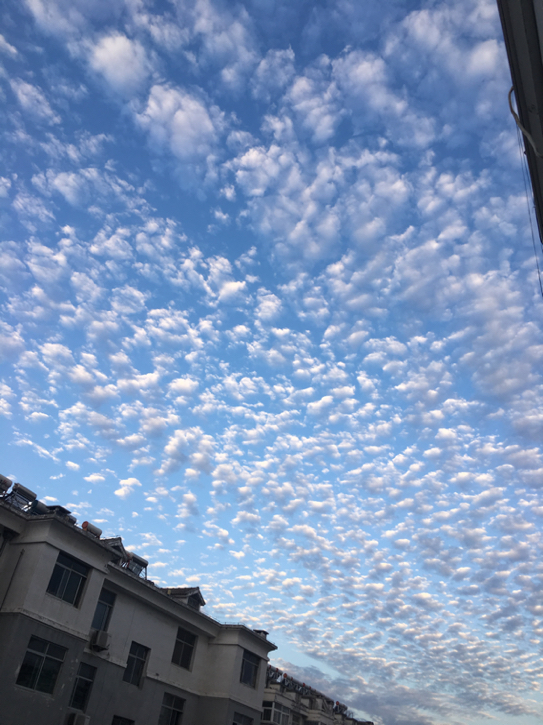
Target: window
column 171, row 712
column 68, row 579
column 136, row 663
column 275, row 712
column 82, row 686
column 106, row 600
column 267, row 711
column 121, row 721
column 184, row 648
column 249, row 668
column 41, row 665
column 242, row 719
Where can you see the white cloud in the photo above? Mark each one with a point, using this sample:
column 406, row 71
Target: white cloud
column 126, row 487
column 5, row 47
column 273, row 73
column 122, row 62
column 33, row 101
column 182, row 124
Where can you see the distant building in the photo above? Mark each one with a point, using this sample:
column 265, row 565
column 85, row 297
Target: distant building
column 288, row 701
column 86, row 639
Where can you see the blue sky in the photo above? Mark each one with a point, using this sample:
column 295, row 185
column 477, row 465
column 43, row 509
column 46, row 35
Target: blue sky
column 270, row 311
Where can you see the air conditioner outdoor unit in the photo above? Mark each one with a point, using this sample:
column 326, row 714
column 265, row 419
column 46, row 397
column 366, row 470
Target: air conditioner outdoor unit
column 78, row 718
column 100, row 639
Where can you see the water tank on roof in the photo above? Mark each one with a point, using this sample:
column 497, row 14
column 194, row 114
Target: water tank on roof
column 91, row 529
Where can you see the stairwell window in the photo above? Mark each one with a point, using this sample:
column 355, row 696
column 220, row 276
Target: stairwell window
column 135, row 665
column 82, row 686
column 41, row 665
column 68, row 579
column 184, row 648
column 171, row 712
column 249, row 668
column 104, row 607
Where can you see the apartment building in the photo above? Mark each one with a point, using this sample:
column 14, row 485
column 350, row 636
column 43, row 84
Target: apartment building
column 86, row 639
column 288, row 701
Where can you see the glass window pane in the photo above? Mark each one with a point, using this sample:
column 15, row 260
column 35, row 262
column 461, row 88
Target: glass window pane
column 107, row 597
column 86, row 671
column 38, row 645
column 28, row 674
column 100, row 616
column 80, row 694
column 184, row 648
column 67, row 579
column 71, row 589
column 55, row 581
column 129, row 672
column 48, row 675
column 56, row 651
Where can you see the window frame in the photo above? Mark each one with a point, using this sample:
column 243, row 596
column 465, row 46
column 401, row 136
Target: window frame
column 84, row 684
column 41, row 666
column 267, row 711
column 136, row 664
column 68, row 579
column 249, row 666
column 276, row 712
column 171, row 711
column 105, row 608
column 183, row 651
column 241, row 719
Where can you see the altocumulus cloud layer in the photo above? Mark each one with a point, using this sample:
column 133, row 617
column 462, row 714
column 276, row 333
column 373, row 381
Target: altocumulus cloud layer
column 270, row 311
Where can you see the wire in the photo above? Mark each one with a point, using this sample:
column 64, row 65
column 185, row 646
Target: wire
column 527, row 135
column 524, row 165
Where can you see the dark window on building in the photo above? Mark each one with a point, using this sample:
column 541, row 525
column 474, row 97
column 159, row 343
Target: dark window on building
column 41, row 665
column 275, row 712
column 281, row 714
column 267, row 706
column 242, row 719
column 184, row 648
column 171, row 712
column 82, row 686
column 68, row 579
column 249, row 668
column 136, row 663
column 106, row 600
column 121, row 721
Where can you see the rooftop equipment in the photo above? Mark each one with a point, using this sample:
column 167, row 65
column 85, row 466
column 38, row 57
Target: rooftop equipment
column 20, row 497
column 91, row 529
column 5, row 484
column 136, row 564
column 38, row 508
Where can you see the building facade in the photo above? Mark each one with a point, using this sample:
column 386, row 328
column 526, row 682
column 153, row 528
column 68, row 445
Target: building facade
column 85, row 639
column 288, row 701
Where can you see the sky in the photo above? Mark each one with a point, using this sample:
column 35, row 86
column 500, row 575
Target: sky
column 270, row 311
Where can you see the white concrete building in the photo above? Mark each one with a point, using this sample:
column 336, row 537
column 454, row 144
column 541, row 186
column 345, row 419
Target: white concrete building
column 86, row 639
